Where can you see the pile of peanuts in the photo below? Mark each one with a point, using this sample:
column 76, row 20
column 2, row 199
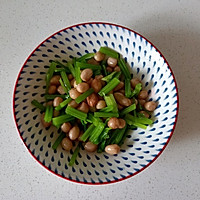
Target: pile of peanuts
column 95, row 102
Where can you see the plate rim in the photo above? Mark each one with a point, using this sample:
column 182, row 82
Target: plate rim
column 120, row 179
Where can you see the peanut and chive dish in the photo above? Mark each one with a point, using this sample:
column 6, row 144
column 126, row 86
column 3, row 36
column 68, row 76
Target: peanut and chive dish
column 93, row 100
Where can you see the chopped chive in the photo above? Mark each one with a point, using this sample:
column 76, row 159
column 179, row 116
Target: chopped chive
column 48, row 114
column 96, row 132
column 53, row 96
column 38, row 105
column 109, row 52
column 85, row 57
column 123, row 138
column 63, row 104
column 111, row 76
column 110, row 86
column 84, row 95
column 124, row 68
column 97, row 72
column 58, row 140
column 65, row 80
column 74, row 155
column 119, row 135
column 87, row 65
column 110, row 101
column 62, row 70
column 128, row 88
column 103, row 66
column 107, row 109
column 144, row 120
column 105, row 114
column 77, row 74
column 93, row 120
column 63, row 86
column 87, row 133
column 59, row 63
column 71, row 68
column 139, row 125
column 76, row 113
column 101, row 146
column 58, row 121
column 137, row 90
column 50, row 74
column 128, row 109
column 104, row 135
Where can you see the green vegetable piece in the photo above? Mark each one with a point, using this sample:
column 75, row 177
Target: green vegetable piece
column 65, row 80
column 124, row 68
column 137, row 90
column 108, row 109
column 38, row 105
column 111, row 76
column 50, row 74
column 48, row 114
column 128, row 109
column 84, row 95
column 82, row 65
column 74, row 155
column 110, row 101
column 109, row 52
column 110, row 86
column 85, row 57
column 120, row 135
column 58, row 121
column 96, row 132
column 77, row 74
column 87, row 133
column 58, row 140
column 63, row 86
column 128, row 88
column 76, row 113
column 71, row 68
column 105, row 114
column 123, row 138
column 53, row 96
column 93, row 120
column 63, row 104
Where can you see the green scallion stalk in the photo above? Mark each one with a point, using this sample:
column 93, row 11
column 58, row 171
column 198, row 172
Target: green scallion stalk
column 124, row 68
column 38, row 105
column 128, row 88
column 120, row 135
column 87, row 133
column 93, row 120
column 85, row 57
column 77, row 74
column 65, row 80
column 105, row 73
column 105, row 114
column 82, row 65
column 110, row 86
column 71, row 68
column 74, row 155
column 58, row 121
column 48, row 114
column 96, row 132
column 128, row 109
column 66, row 70
column 58, row 140
column 108, row 108
column 104, row 135
column 123, row 138
column 110, row 101
column 109, row 52
column 76, row 113
column 84, row 95
column 53, row 96
column 101, row 146
column 132, row 120
column 144, row 120
column 50, row 74
column 137, row 90
column 63, row 86
column 111, row 76
column 139, row 125
column 63, row 104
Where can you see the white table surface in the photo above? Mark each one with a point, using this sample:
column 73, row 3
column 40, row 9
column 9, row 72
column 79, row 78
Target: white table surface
column 173, row 26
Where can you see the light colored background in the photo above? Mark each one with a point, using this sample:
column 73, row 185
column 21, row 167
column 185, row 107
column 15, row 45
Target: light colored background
column 173, row 26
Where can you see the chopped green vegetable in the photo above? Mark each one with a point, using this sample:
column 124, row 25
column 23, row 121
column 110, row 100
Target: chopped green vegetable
column 84, row 95
column 63, row 104
column 71, row 68
column 85, row 57
column 110, row 86
column 119, row 135
column 110, row 101
column 124, row 68
column 53, row 96
column 111, row 76
column 65, row 80
column 109, row 52
column 103, row 66
column 87, row 65
column 123, row 138
column 63, row 86
column 48, row 114
column 74, row 155
column 96, row 132
column 128, row 88
column 101, row 146
column 77, row 74
column 38, row 105
column 50, row 74
column 108, row 108
column 137, row 90
column 58, row 140
column 105, row 114
column 58, row 121
column 87, row 133
column 76, row 113
column 93, row 120
column 128, row 109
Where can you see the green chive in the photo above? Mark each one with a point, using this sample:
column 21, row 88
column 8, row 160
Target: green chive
column 137, row 90
column 71, row 68
column 108, row 108
column 84, row 95
column 96, row 132
column 110, row 101
column 65, row 80
column 87, row 65
column 85, row 57
column 128, row 88
column 63, row 104
column 105, row 114
column 58, row 121
column 63, row 86
column 124, row 68
column 50, row 74
column 109, row 52
column 128, row 109
column 53, row 96
column 74, row 155
column 111, row 76
column 77, row 74
column 110, row 86
column 38, row 105
column 76, row 113
column 87, row 133
column 48, row 114
column 58, row 140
